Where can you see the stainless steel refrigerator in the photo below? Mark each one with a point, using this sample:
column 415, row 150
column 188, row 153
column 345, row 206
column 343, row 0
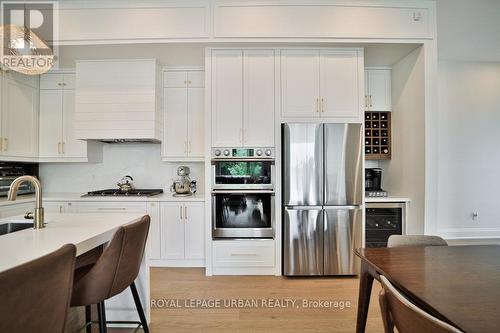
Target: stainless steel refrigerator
column 322, row 197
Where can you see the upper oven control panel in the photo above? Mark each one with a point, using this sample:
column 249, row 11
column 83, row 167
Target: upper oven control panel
column 243, row 153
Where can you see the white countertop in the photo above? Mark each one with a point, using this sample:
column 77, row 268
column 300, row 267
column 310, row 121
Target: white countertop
column 86, row 231
column 387, row 199
column 167, row 196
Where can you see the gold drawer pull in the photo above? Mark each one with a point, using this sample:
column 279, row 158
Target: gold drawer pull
column 243, row 254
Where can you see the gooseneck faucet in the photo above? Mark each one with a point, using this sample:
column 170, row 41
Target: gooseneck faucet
column 38, row 216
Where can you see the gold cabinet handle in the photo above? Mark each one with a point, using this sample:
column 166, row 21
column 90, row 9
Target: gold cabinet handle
column 58, row 147
column 189, row 146
column 243, row 254
column 185, row 213
column 371, row 101
column 62, row 147
column 317, row 105
column 5, row 144
column 366, row 101
column 180, row 212
column 322, row 105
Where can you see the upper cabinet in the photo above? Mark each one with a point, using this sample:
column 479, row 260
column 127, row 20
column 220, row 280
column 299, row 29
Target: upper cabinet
column 57, row 142
column 242, row 97
column 18, row 117
column 322, row 83
column 378, row 89
column 184, row 120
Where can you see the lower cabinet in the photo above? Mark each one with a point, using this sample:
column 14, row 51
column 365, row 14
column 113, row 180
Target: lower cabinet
column 59, row 207
column 16, row 209
column 243, row 257
column 182, row 234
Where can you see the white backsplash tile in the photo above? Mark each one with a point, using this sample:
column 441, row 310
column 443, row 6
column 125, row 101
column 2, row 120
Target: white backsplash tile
column 142, row 161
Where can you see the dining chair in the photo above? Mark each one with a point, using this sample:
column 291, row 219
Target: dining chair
column 415, row 240
column 35, row 296
column 115, row 270
column 398, row 311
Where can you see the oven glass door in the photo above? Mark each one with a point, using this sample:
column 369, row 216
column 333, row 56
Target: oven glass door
column 243, row 215
column 242, row 174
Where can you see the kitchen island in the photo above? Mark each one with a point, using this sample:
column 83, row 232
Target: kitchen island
column 87, row 231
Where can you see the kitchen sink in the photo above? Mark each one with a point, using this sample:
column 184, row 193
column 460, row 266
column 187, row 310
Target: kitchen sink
column 10, row 227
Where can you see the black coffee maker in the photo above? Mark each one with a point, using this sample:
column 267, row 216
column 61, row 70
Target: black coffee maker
column 373, row 183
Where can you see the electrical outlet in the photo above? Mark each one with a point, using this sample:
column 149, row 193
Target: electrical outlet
column 475, row 216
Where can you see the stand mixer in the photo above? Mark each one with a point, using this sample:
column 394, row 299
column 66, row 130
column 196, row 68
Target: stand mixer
column 183, row 186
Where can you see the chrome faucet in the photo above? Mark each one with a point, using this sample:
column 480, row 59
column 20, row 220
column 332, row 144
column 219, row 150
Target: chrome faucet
column 38, row 216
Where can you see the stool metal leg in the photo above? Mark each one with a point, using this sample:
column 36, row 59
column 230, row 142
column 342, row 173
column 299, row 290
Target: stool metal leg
column 101, row 310
column 138, row 305
column 88, row 319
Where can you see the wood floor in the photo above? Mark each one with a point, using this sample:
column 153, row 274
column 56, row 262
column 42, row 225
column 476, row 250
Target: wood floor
column 192, row 284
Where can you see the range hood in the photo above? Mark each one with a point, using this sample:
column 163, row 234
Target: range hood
column 118, row 100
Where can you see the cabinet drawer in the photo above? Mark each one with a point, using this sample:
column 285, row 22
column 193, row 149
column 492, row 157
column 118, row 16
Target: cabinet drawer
column 259, row 253
column 51, row 81
column 112, row 207
column 196, row 79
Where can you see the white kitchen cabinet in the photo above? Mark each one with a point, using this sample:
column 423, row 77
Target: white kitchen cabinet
column 243, row 97
column 378, row 89
column 258, row 98
column 183, row 115
column 339, row 79
column 57, row 116
column 227, row 98
column 154, row 238
column 321, row 83
column 300, row 83
column 15, row 209
column 59, row 207
column 183, row 230
column 112, row 207
column 19, row 118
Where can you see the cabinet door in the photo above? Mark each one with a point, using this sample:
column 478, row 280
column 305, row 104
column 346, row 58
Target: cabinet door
column 72, row 147
column 59, row 207
column 51, row 115
column 172, row 227
column 194, row 231
column 367, row 92
column 19, row 119
column 196, row 122
column 175, row 122
column 258, row 94
column 175, row 79
column 196, row 79
column 227, row 98
column 154, row 238
column 300, row 83
column 379, row 87
column 51, row 81
column 339, row 86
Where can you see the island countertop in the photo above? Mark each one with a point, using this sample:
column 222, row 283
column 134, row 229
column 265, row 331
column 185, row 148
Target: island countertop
column 86, row 231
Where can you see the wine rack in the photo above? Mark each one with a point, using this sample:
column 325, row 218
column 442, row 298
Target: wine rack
column 377, row 135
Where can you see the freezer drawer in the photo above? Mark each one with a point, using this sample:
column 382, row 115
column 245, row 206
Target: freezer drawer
column 342, row 234
column 303, row 241
column 302, row 164
column 344, row 179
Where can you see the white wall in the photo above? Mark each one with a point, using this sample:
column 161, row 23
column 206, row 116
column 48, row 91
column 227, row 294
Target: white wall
column 142, row 161
column 404, row 174
column 469, row 149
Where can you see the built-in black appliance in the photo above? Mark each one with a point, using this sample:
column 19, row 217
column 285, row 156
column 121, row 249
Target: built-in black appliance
column 10, row 171
column 382, row 221
column 120, row 193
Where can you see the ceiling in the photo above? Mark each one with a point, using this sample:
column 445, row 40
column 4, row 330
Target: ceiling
column 468, row 30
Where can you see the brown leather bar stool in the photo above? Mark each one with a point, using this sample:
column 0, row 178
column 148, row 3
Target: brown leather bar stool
column 115, row 270
column 35, row 297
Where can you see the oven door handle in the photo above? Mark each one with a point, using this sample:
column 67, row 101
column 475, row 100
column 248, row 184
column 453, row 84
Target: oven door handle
column 243, row 192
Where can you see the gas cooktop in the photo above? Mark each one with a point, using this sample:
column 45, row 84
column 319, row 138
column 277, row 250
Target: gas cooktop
column 119, row 193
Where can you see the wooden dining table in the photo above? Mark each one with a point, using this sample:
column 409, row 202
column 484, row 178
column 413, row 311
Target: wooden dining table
column 457, row 284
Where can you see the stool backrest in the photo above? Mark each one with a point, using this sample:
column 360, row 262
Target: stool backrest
column 118, row 266
column 35, row 296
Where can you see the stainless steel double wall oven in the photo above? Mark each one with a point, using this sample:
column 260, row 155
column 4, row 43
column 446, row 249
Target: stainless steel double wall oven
column 243, row 198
